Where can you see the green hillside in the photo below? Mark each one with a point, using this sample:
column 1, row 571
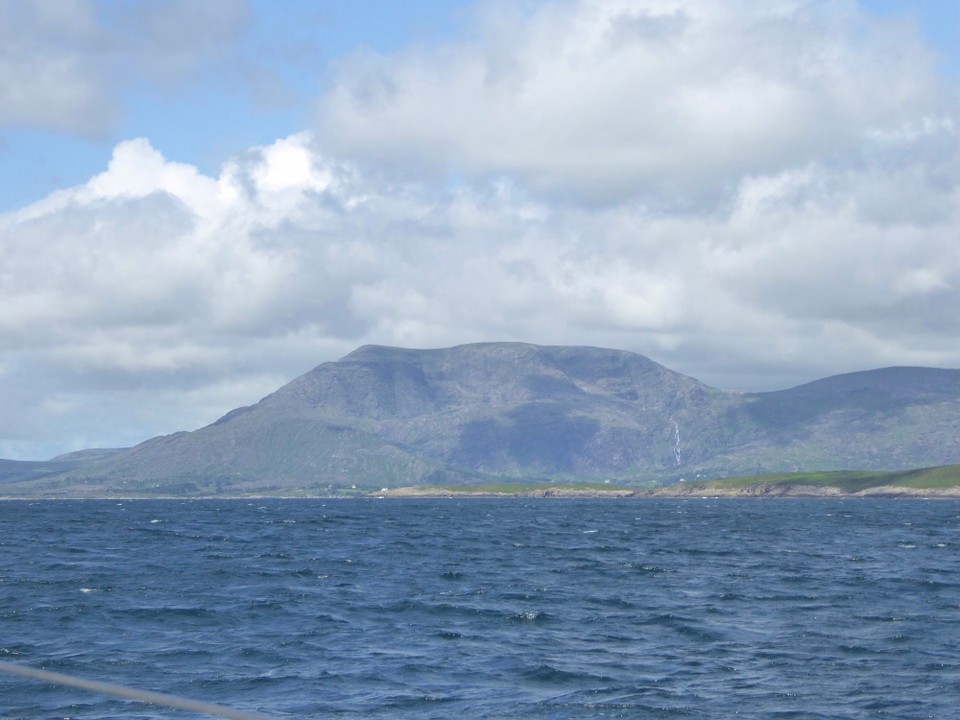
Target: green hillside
column 849, row 481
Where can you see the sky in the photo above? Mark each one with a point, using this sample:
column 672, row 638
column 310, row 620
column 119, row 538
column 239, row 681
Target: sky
column 202, row 199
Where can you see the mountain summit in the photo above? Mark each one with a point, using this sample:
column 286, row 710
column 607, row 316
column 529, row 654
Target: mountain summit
column 385, row 417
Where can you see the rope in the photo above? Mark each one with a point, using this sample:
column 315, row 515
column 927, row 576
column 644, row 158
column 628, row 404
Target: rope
column 154, row 698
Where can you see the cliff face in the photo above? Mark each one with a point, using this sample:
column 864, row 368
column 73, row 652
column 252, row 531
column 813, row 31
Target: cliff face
column 388, row 417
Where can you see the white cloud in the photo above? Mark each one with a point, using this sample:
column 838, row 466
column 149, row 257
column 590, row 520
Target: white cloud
column 665, row 102
column 65, row 63
column 137, row 170
column 54, row 66
column 288, row 164
column 753, row 193
column 152, row 276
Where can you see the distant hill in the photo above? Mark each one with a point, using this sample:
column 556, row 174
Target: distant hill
column 19, row 471
column 494, row 412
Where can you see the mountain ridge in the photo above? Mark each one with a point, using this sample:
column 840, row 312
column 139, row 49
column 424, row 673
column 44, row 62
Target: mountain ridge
column 486, row 412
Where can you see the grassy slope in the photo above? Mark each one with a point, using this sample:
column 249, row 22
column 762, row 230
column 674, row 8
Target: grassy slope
column 847, row 481
column 853, row 480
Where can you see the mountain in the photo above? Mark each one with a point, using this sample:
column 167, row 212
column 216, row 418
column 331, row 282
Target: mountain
column 386, row 417
column 15, row 471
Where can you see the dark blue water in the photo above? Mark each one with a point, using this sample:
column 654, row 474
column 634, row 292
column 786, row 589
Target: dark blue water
column 487, row 608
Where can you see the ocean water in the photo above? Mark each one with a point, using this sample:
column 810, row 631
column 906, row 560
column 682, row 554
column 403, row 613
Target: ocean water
column 416, row 609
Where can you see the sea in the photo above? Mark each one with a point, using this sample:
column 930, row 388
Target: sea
column 486, row 608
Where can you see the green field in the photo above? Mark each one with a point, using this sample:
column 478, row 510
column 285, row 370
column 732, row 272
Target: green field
column 517, row 488
column 852, row 480
column 846, row 481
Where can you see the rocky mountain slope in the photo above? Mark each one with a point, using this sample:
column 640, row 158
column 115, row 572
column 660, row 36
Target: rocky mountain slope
column 387, row 417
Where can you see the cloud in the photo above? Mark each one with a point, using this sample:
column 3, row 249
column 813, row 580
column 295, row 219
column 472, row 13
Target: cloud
column 66, row 63
column 172, row 40
column 153, row 275
column 155, row 281
column 663, row 101
column 54, row 67
column 754, row 194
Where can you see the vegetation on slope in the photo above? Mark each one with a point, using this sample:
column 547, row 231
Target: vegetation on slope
column 933, row 481
column 848, row 481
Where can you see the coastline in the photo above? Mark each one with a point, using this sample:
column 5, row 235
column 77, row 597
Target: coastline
column 672, row 492
column 808, row 491
column 686, row 492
